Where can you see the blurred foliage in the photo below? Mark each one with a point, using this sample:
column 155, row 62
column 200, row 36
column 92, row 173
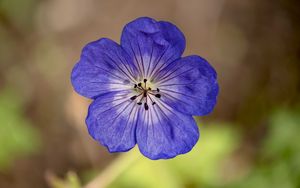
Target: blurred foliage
column 71, row 181
column 277, row 163
column 278, row 160
column 202, row 166
column 17, row 136
column 17, row 12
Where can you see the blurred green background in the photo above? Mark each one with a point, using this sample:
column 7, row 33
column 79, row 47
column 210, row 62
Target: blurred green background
column 250, row 140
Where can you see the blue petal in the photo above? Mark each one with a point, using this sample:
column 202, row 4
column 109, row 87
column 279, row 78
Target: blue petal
column 189, row 85
column 152, row 45
column 112, row 121
column 164, row 133
column 103, row 67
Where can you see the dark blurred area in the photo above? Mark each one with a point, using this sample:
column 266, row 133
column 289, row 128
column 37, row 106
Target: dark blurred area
column 250, row 140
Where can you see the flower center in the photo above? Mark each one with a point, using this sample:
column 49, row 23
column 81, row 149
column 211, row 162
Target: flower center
column 144, row 92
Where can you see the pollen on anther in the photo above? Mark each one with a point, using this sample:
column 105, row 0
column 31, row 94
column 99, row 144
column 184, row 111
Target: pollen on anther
column 133, row 98
column 158, row 95
column 146, row 106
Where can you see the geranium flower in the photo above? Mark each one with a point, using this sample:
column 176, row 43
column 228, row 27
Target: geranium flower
column 144, row 92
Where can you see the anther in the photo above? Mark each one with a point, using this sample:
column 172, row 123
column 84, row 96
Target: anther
column 153, row 103
column 146, row 106
column 157, row 90
column 140, row 84
column 145, row 80
column 135, row 86
column 158, row 95
column 149, row 88
column 133, row 98
column 139, row 103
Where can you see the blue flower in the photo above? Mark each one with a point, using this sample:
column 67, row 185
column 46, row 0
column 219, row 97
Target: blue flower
column 144, row 92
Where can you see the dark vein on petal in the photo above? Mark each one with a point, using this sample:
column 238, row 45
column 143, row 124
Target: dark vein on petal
column 152, row 124
column 161, row 125
column 113, row 106
column 161, row 66
column 147, row 125
column 149, row 63
column 129, row 76
column 136, row 118
column 135, row 58
column 192, row 83
column 175, row 76
column 125, row 127
column 157, row 61
column 168, row 108
column 122, row 111
column 115, row 100
column 170, row 73
column 177, row 99
column 104, row 123
column 142, row 61
column 111, row 89
column 172, row 91
column 177, row 125
column 93, row 53
column 107, row 83
column 129, row 70
column 109, row 72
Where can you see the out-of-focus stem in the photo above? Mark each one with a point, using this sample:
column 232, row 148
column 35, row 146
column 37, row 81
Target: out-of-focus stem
column 112, row 171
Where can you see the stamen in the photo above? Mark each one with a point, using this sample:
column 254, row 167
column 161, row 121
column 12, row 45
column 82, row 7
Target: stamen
column 145, row 81
column 145, row 94
column 133, row 98
column 158, row 95
column 146, row 106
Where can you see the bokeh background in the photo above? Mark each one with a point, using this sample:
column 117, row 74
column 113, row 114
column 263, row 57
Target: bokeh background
column 250, row 140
